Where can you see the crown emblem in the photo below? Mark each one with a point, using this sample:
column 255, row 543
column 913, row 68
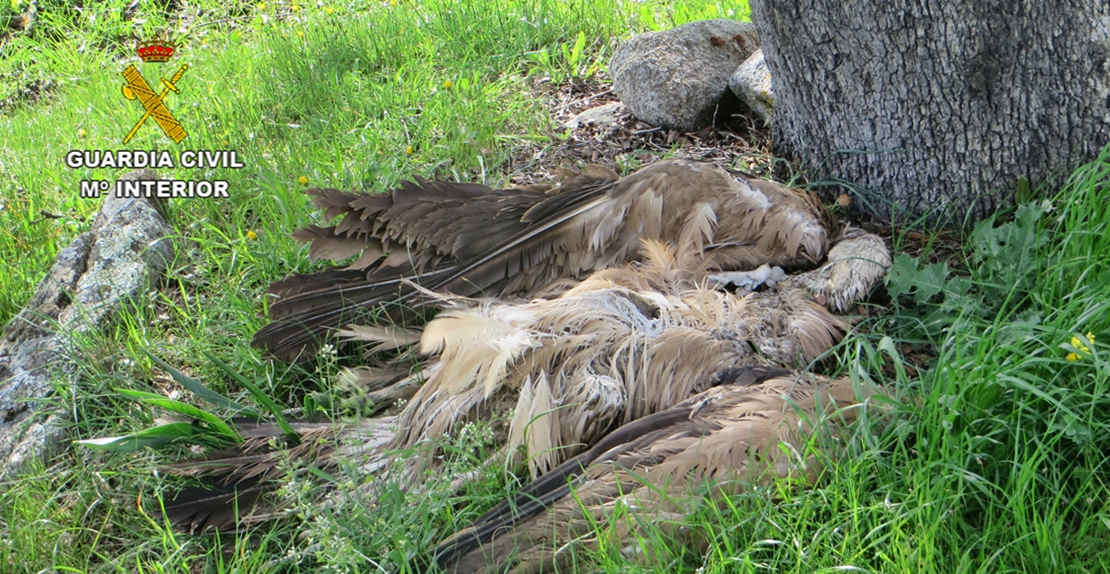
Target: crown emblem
column 155, row 50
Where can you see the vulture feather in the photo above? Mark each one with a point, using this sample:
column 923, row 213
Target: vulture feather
column 732, row 437
column 473, row 240
column 628, row 326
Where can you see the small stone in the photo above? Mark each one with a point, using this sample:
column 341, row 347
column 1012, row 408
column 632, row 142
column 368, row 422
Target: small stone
column 606, row 115
column 752, row 84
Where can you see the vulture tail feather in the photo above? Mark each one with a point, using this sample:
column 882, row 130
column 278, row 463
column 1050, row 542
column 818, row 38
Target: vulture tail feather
column 203, row 509
column 241, row 478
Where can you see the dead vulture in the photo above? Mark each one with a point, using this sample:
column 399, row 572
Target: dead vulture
column 626, row 343
column 472, row 240
column 656, row 470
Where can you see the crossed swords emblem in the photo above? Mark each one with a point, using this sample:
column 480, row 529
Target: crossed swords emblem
column 136, row 87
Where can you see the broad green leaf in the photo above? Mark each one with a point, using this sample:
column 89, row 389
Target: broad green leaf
column 212, row 421
column 931, row 280
column 151, row 437
column 899, row 279
column 905, row 276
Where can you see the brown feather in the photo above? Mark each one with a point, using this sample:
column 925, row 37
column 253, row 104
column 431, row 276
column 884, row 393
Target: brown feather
column 199, row 510
column 629, row 341
column 326, row 244
column 626, row 343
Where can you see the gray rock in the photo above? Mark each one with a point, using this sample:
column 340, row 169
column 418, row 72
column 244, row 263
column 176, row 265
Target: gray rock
column 606, row 115
column 676, row 78
column 103, row 270
column 752, row 84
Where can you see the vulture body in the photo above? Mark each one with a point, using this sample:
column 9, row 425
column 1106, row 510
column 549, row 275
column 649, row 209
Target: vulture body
column 626, row 343
column 472, row 240
column 656, row 470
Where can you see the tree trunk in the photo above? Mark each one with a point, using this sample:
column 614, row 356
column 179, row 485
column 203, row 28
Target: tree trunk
column 938, row 108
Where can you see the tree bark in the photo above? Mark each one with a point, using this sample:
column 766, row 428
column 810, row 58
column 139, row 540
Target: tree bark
column 938, row 108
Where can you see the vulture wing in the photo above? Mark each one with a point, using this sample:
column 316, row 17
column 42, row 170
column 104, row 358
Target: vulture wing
column 732, row 435
column 469, row 239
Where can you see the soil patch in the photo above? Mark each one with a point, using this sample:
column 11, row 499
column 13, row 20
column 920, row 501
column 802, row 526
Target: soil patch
column 738, row 140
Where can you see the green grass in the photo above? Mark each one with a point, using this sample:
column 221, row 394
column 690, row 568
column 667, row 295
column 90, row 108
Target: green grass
column 338, row 93
column 994, row 461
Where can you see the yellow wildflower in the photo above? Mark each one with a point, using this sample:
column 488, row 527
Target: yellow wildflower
column 408, row 150
column 81, row 133
column 295, row 7
column 447, row 84
column 252, row 235
column 328, row 9
column 1078, row 344
column 300, row 34
column 261, row 5
column 303, row 180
